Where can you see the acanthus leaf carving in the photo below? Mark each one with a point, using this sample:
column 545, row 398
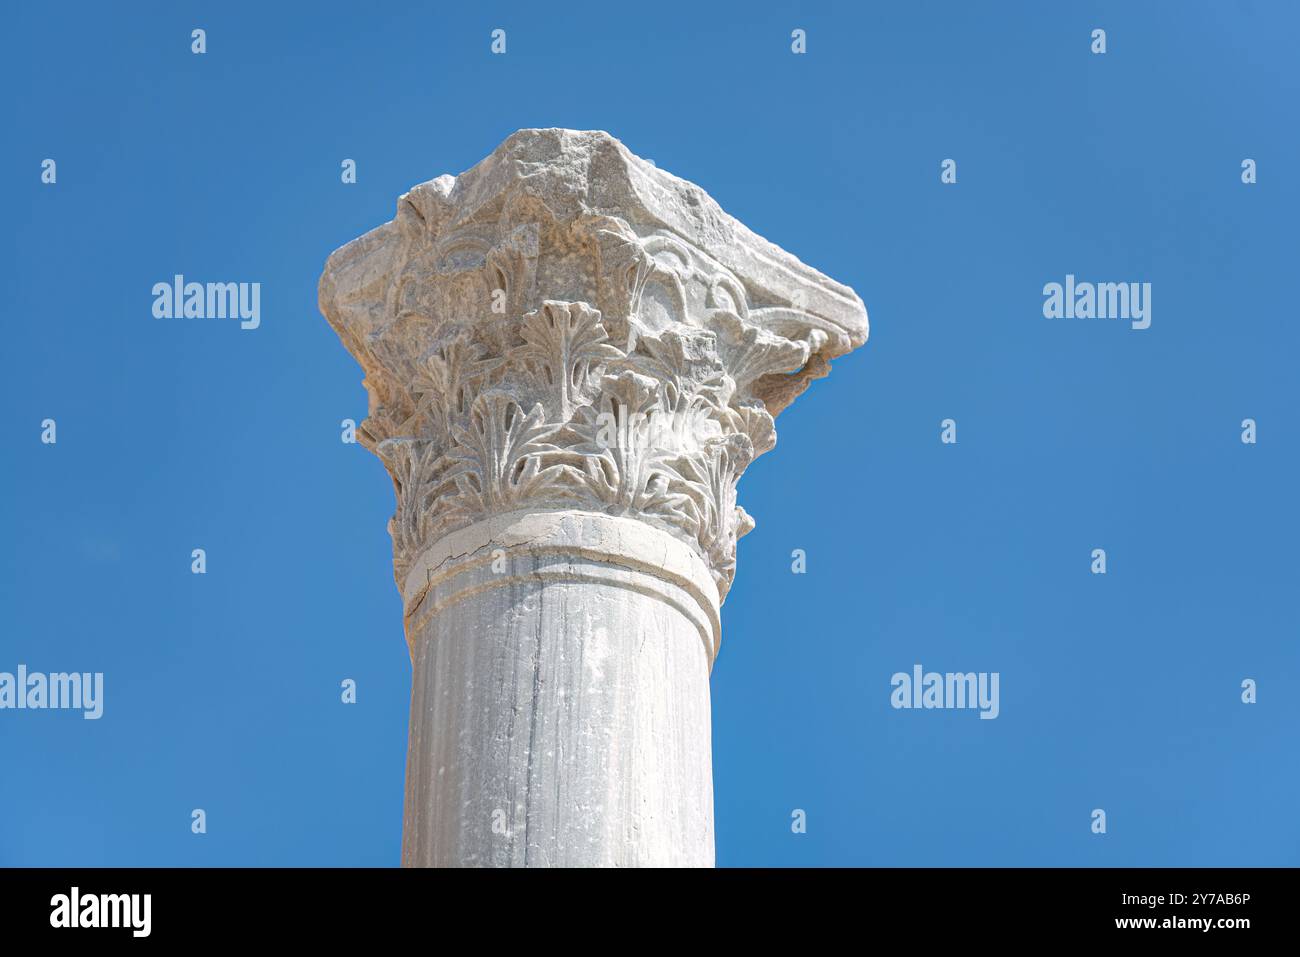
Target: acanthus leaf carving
column 567, row 344
column 623, row 467
column 531, row 341
column 498, row 454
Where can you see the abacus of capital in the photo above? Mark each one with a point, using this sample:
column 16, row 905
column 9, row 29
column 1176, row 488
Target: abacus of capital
column 562, row 563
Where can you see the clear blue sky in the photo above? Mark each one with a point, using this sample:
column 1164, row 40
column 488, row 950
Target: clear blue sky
column 1119, row 692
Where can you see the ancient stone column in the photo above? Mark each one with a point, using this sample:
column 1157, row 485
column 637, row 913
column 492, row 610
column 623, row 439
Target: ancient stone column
column 571, row 358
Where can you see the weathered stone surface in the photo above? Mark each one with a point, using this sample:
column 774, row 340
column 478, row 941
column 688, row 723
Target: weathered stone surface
column 561, row 668
column 571, row 356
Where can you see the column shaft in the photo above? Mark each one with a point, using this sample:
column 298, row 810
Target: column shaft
column 560, row 707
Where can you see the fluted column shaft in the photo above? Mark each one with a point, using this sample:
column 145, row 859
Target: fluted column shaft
column 560, row 709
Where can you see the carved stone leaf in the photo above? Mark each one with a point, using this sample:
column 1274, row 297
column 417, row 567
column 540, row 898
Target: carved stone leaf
column 686, row 359
column 499, row 451
column 753, row 419
column 446, row 377
column 418, row 472
column 626, row 466
column 750, row 353
column 710, row 480
column 623, row 266
column 567, row 341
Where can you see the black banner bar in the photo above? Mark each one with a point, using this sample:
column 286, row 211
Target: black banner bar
column 332, row 907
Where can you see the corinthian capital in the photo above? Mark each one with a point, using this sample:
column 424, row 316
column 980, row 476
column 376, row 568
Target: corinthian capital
column 565, row 326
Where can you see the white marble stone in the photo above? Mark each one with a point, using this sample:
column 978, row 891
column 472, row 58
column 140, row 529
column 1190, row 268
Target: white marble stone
column 571, row 357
